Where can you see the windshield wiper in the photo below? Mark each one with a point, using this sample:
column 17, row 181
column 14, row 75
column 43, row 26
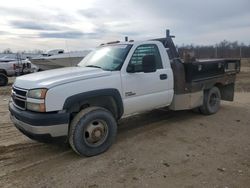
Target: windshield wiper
column 94, row 66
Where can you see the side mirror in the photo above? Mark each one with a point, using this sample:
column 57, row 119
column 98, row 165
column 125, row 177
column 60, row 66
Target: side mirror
column 149, row 63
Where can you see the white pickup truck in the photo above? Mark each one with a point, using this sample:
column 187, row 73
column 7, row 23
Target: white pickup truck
column 14, row 67
column 116, row 80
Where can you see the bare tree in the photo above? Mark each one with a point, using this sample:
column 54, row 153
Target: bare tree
column 224, row 49
column 7, row 51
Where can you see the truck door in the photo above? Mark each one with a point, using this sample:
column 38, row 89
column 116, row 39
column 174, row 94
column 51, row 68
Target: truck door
column 142, row 90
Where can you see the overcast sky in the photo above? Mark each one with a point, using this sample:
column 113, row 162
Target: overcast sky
column 84, row 24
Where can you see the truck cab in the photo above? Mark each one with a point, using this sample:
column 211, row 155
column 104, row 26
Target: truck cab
column 146, row 76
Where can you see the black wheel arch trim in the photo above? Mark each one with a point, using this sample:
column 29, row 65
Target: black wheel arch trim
column 78, row 98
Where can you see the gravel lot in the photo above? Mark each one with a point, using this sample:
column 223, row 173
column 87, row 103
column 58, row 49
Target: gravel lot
column 157, row 149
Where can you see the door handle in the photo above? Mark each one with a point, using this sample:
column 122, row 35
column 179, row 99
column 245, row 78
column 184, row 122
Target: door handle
column 163, row 76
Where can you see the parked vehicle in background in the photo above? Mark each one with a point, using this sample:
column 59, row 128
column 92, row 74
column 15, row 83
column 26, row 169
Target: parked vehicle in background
column 117, row 80
column 58, row 59
column 12, row 67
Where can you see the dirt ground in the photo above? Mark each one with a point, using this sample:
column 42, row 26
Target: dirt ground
column 157, row 149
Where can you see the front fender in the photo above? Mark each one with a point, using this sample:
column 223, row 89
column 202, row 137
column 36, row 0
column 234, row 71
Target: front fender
column 79, row 99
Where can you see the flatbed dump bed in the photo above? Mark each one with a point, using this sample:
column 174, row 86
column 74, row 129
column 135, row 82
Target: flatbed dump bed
column 191, row 78
column 209, row 69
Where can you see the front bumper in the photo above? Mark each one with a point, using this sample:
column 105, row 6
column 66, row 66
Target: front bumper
column 35, row 124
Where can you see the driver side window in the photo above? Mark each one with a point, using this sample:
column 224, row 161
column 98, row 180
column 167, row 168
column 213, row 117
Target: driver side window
column 135, row 64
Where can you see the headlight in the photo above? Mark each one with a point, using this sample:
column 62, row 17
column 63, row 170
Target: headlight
column 36, row 107
column 36, row 100
column 37, row 93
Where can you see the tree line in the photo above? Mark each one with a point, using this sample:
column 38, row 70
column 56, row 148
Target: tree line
column 9, row 51
column 224, row 49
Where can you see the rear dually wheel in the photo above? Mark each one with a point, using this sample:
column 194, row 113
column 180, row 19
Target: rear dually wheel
column 211, row 101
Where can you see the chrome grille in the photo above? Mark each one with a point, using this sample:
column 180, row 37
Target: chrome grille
column 19, row 97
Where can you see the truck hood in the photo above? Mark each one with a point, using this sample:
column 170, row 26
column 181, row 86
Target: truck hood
column 51, row 78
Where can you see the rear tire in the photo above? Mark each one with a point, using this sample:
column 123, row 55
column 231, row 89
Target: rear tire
column 92, row 131
column 211, row 101
column 3, row 80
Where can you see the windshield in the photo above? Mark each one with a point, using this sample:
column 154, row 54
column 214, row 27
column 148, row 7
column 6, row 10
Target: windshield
column 109, row 58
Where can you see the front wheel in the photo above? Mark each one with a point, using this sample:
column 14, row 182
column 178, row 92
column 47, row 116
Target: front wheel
column 3, row 80
column 211, row 101
column 92, row 131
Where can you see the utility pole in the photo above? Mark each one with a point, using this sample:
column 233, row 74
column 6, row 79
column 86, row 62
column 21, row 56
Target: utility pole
column 216, row 51
column 240, row 52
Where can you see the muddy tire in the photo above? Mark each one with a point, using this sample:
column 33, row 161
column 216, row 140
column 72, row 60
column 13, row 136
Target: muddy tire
column 92, row 131
column 3, row 80
column 211, row 101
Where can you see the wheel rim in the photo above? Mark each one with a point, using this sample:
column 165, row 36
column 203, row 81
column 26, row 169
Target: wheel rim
column 96, row 133
column 213, row 99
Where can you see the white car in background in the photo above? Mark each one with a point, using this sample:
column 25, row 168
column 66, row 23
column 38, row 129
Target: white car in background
column 13, row 67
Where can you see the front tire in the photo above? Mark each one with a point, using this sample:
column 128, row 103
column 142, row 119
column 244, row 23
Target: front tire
column 92, row 131
column 3, row 80
column 211, row 101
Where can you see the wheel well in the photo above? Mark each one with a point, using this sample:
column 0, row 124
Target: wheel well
column 109, row 99
column 107, row 102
